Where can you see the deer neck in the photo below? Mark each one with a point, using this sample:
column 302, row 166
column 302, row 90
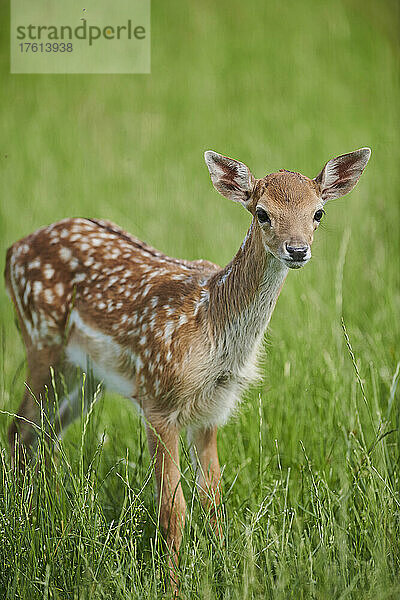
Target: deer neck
column 244, row 293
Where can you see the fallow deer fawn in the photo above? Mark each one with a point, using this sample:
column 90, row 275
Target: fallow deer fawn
column 178, row 337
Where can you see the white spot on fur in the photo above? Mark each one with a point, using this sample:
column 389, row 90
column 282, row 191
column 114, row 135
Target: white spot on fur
column 48, row 271
column 59, row 289
column 65, row 253
column 37, row 287
column 225, row 276
column 79, row 277
column 35, row 318
column 48, row 295
column 34, row 264
column 111, row 281
column 168, row 329
column 182, row 320
column 27, row 292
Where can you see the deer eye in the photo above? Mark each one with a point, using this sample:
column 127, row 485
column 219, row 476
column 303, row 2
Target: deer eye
column 319, row 214
column 262, row 216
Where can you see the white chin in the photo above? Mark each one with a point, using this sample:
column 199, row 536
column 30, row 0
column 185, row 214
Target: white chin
column 295, row 264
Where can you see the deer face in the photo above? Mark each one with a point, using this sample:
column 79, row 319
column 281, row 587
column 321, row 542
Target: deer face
column 287, row 207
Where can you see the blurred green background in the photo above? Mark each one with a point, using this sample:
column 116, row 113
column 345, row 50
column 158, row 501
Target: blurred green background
column 275, row 85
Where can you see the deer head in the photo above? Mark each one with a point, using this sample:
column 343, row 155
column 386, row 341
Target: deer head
column 287, row 207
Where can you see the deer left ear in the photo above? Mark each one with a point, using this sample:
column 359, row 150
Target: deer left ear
column 340, row 174
column 230, row 177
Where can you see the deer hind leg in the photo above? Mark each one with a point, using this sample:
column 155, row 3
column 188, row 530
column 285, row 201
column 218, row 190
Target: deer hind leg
column 38, row 392
column 43, row 344
column 205, row 459
column 42, row 326
column 42, row 354
column 55, row 387
column 163, row 443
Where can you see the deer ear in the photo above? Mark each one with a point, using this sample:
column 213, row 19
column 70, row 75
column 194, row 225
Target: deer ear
column 230, row 177
column 340, row 174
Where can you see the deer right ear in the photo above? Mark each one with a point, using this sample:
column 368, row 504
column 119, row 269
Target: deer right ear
column 340, row 174
column 230, row 177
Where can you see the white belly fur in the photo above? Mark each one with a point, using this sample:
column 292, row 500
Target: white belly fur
column 111, row 379
column 104, row 354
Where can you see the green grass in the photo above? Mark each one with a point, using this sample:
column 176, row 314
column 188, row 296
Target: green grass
column 311, row 463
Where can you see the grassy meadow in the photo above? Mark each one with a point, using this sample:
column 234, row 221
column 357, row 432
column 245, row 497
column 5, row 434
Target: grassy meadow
column 312, row 460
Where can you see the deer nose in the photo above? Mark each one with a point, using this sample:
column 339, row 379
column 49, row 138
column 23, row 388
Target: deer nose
column 296, row 252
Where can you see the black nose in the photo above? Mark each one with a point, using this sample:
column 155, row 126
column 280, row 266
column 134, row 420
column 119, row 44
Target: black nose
column 297, row 252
